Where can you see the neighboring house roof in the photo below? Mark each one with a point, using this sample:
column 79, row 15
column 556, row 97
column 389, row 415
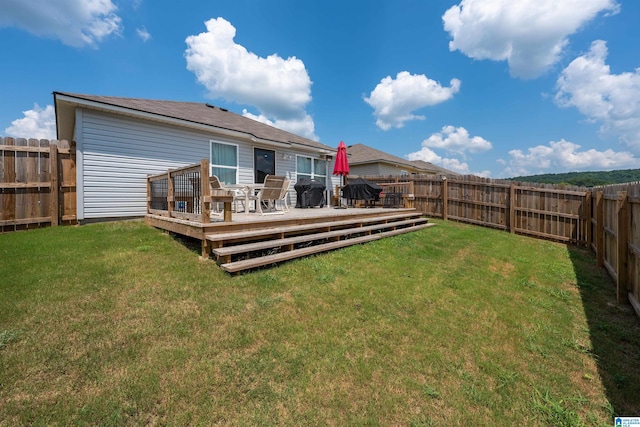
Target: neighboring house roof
column 439, row 170
column 191, row 114
column 360, row 154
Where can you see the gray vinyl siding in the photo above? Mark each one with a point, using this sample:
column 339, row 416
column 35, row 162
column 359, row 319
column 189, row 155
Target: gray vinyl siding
column 379, row 169
column 371, row 169
column 116, row 153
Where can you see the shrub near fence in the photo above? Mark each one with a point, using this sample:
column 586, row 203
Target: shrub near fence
column 37, row 183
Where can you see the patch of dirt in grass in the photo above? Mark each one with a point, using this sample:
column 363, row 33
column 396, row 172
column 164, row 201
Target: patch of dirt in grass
column 505, row 269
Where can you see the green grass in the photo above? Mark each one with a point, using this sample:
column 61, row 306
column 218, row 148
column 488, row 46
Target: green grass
column 121, row 324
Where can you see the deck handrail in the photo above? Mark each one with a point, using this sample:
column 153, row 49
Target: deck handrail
column 194, row 199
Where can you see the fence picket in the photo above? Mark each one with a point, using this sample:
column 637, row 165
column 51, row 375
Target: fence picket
column 26, row 183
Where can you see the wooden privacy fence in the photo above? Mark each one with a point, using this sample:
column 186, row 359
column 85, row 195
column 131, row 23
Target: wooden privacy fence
column 607, row 219
column 545, row 211
column 37, row 183
column 616, row 242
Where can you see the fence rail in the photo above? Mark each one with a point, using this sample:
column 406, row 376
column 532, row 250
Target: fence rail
column 37, row 183
column 606, row 219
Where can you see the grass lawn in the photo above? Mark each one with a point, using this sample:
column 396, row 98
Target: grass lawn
column 122, row 324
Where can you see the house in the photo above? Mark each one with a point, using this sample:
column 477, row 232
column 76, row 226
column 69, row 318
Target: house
column 367, row 161
column 119, row 141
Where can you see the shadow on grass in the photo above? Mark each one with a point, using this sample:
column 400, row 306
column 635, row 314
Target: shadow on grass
column 192, row 244
column 615, row 334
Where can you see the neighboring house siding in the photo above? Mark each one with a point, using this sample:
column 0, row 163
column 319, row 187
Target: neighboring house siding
column 371, row 169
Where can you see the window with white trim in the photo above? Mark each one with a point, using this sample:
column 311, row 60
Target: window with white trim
column 307, row 167
column 224, row 162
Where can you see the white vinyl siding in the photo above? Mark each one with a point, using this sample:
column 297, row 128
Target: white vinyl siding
column 116, row 153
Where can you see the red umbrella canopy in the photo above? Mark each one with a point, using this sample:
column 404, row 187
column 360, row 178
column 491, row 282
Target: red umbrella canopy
column 342, row 162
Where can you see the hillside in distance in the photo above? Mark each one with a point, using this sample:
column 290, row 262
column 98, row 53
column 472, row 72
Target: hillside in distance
column 584, row 179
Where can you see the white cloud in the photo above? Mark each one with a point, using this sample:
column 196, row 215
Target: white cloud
column 279, row 88
column 529, row 34
column 37, row 123
column 453, row 164
column 394, row 100
column 143, row 34
column 565, row 156
column 611, row 99
column 303, row 126
column 456, row 140
column 75, row 22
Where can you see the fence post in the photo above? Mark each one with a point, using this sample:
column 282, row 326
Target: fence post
column 54, row 202
column 622, row 248
column 586, row 209
column 512, row 208
column 599, row 237
column 9, row 177
column 445, row 198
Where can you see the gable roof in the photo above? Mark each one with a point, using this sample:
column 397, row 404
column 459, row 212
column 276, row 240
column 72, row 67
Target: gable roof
column 360, row 154
column 190, row 114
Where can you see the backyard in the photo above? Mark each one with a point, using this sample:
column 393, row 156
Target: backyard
column 122, row 324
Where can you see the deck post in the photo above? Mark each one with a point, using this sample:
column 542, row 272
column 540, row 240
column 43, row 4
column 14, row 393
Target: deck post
column 148, row 194
column 171, row 201
column 205, row 192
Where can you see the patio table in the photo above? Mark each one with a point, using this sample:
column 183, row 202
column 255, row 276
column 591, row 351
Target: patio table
column 248, row 190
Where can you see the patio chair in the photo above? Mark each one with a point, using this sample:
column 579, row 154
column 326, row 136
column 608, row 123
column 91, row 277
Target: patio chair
column 217, row 188
column 284, row 196
column 269, row 194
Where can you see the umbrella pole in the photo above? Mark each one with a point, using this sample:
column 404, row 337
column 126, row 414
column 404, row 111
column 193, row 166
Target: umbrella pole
column 340, row 194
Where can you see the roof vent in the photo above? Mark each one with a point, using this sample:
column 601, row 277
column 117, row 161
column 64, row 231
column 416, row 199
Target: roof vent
column 210, row 105
column 223, row 109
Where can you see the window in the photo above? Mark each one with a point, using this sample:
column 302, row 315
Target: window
column 224, row 162
column 311, row 168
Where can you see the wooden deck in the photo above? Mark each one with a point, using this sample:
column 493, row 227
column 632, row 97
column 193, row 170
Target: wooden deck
column 253, row 240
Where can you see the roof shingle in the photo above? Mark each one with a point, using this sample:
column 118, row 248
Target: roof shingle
column 201, row 113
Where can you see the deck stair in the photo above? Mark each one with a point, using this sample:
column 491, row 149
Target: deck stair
column 247, row 249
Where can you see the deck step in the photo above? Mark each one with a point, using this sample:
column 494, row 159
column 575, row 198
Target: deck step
column 227, row 251
column 328, row 225
column 237, row 266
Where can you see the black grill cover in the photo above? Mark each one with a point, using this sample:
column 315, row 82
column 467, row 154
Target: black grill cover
column 310, row 193
column 361, row 189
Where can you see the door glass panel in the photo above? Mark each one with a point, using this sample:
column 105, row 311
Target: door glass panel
column 264, row 164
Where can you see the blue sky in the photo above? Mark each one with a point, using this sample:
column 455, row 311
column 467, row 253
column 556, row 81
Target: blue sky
column 497, row 88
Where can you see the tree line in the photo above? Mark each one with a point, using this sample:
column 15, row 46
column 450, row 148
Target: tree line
column 584, row 179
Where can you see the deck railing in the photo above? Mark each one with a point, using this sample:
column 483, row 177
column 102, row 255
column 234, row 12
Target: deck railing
column 181, row 193
column 185, row 193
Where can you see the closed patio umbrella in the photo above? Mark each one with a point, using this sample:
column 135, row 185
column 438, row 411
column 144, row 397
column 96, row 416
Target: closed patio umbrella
column 341, row 167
